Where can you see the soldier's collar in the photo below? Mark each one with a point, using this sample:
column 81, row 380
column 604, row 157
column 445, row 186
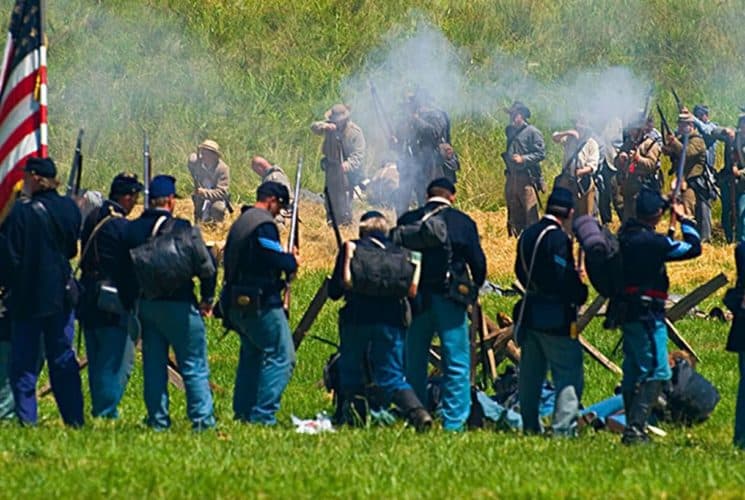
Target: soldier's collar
column 439, row 199
column 552, row 218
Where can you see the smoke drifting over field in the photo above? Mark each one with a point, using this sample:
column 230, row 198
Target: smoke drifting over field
column 466, row 89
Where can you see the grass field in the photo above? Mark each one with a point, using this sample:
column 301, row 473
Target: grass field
column 124, row 459
column 253, row 74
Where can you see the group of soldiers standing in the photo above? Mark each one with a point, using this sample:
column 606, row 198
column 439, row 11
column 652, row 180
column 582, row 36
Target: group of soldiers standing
column 134, row 291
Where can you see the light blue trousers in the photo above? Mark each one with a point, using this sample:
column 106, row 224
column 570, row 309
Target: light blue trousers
column 177, row 324
column 265, row 365
column 448, row 320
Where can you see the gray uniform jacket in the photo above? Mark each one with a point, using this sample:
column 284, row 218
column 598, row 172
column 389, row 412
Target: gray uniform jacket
column 528, row 142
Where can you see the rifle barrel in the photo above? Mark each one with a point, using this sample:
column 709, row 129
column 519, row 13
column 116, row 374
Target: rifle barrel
column 292, row 240
column 146, row 170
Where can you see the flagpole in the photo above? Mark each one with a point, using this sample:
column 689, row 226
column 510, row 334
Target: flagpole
column 39, row 82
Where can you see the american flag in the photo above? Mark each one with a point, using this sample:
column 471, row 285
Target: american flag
column 23, row 98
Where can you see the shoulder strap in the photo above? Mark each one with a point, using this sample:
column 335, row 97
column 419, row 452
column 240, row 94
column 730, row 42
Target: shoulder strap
column 434, row 212
column 529, row 269
column 158, row 223
column 378, row 243
column 91, row 238
column 510, row 140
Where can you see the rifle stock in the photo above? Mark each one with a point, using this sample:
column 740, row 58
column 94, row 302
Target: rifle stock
column 332, row 216
column 678, row 182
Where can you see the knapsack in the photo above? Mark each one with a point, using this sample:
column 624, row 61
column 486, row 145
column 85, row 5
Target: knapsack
column 691, row 398
column 428, row 232
column 169, row 259
column 380, row 271
column 603, row 260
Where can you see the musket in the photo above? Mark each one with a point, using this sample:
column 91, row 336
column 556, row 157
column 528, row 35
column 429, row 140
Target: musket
column 294, row 239
column 663, row 124
column 678, row 102
column 332, row 216
column 146, row 170
column 76, row 170
column 678, row 182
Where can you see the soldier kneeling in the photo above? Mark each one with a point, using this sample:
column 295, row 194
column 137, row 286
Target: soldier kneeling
column 372, row 324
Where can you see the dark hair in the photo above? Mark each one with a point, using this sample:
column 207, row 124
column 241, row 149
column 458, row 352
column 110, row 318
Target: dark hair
column 438, row 191
column 558, row 211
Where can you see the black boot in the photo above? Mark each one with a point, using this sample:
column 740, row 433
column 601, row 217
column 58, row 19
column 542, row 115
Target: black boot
column 413, row 409
column 645, row 397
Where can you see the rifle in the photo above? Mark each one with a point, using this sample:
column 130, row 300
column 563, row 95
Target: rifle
column 76, row 170
column 571, row 168
column 678, row 102
column 678, row 182
column 332, row 216
column 294, row 238
column 146, row 170
column 663, row 124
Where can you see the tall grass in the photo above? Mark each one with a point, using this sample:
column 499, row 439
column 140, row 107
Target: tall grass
column 253, row 74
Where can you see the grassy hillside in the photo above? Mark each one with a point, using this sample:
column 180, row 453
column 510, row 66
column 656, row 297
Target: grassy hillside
column 253, row 74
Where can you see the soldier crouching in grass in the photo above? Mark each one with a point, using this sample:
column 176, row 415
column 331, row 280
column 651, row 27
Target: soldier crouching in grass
column 645, row 285
column 546, row 317
column 254, row 266
column 372, row 325
column 211, row 183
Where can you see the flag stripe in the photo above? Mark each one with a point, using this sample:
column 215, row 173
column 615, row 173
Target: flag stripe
column 8, row 151
column 24, row 89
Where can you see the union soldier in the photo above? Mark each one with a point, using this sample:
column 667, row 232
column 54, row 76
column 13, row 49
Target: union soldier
column 38, row 238
column 694, row 163
column 547, row 316
column 108, row 345
column 525, row 150
column 343, row 156
column 645, row 285
column 437, row 310
column 173, row 319
column 581, row 159
column 371, row 333
column 424, row 138
column 254, row 267
column 211, row 178
column 638, row 163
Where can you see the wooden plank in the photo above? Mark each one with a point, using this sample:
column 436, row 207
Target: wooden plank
column 590, row 312
column 598, row 356
column 306, row 322
column 684, row 305
column 678, row 339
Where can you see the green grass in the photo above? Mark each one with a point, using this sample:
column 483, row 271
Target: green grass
column 125, row 459
column 253, row 74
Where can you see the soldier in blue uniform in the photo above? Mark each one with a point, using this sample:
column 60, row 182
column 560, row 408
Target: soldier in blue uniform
column 109, row 347
column 255, row 270
column 371, row 331
column 436, row 311
column 546, row 317
column 172, row 320
column 38, row 239
column 644, row 253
